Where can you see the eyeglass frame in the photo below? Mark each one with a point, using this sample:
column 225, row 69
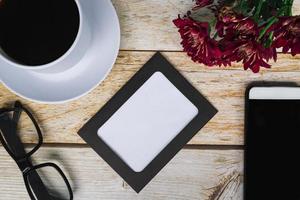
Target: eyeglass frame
column 24, row 162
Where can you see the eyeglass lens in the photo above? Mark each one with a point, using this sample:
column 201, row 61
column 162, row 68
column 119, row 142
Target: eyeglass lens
column 53, row 182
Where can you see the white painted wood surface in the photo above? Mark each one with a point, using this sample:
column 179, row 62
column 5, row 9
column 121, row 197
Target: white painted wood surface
column 191, row 175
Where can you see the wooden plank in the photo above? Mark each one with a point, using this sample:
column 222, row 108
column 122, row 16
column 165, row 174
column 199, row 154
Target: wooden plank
column 224, row 88
column 192, row 175
column 147, row 24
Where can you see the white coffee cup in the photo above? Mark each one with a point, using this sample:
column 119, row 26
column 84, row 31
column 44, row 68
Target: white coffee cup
column 69, row 58
column 80, row 69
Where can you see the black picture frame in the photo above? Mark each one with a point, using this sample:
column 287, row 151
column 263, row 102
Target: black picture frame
column 138, row 180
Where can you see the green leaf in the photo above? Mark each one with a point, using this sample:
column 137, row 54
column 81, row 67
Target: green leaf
column 243, row 7
column 265, row 9
column 258, row 9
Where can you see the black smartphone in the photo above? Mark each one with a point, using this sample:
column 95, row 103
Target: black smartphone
column 272, row 145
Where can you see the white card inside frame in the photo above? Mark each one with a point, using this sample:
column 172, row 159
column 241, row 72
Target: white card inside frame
column 147, row 122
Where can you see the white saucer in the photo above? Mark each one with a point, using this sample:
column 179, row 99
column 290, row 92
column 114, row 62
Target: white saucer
column 85, row 75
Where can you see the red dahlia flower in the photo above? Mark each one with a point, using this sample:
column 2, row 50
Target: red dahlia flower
column 246, row 28
column 239, row 31
column 197, row 42
column 287, row 34
column 230, row 24
column 247, row 31
column 254, row 55
column 239, row 43
column 241, row 36
column 226, row 18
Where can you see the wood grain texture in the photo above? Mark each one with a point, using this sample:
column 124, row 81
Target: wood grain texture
column 147, row 24
column 191, row 175
column 223, row 87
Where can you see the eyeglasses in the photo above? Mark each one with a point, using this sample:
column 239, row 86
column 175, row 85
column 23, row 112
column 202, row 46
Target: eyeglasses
column 44, row 181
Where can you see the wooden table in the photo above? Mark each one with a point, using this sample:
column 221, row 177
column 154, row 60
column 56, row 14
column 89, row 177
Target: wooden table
column 211, row 165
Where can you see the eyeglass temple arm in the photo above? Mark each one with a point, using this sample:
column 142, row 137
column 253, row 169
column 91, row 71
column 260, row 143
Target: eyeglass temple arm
column 13, row 140
column 34, row 179
column 9, row 132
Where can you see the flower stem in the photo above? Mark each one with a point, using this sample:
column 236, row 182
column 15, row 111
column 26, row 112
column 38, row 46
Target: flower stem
column 258, row 10
column 271, row 22
column 289, row 5
column 269, row 40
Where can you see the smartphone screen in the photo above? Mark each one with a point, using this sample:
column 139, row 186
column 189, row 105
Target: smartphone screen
column 272, row 145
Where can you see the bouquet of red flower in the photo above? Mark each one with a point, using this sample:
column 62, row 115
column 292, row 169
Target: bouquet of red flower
column 240, row 30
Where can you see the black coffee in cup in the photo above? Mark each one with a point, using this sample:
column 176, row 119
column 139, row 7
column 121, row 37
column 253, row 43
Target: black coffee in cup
column 37, row 32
